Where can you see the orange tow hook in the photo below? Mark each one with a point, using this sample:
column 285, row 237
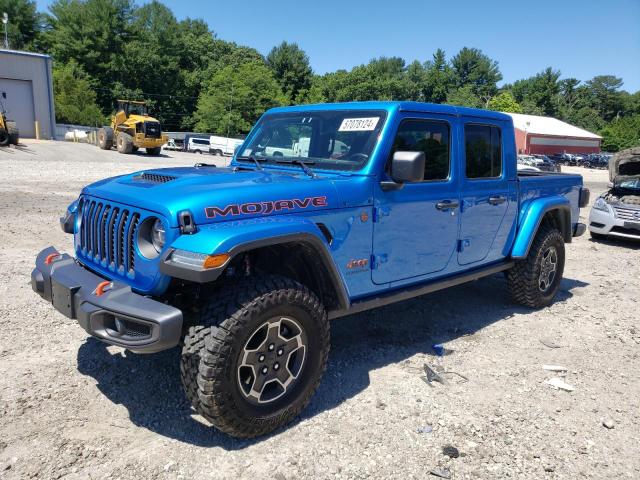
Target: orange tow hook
column 101, row 287
column 50, row 258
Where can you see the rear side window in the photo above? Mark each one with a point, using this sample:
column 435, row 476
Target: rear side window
column 483, row 149
column 430, row 137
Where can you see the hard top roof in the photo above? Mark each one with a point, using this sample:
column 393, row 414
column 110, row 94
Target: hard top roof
column 390, row 106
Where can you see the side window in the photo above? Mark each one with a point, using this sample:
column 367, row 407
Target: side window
column 483, row 151
column 430, row 137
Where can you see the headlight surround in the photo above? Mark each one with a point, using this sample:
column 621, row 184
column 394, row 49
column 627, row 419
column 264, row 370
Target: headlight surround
column 151, row 237
column 158, row 235
column 601, row 205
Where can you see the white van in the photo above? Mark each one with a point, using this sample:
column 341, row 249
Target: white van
column 198, row 145
column 223, row 145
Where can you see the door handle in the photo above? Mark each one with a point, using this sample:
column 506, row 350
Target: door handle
column 447, row 205
column 497, row 200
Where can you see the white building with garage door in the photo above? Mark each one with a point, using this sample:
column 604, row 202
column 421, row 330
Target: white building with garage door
column 26, row 79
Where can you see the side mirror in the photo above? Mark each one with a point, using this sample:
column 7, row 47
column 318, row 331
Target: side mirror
column 406, row 167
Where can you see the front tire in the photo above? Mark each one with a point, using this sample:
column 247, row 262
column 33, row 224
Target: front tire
column 153, row 150
column 14, row 134
column 534, row 281
column 256, row 356
column 124, row 143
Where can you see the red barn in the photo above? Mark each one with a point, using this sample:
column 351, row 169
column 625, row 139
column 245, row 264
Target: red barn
column 547, row 135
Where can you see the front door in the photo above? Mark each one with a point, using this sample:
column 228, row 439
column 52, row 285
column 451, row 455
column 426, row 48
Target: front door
column 485, row 200
column 416, row 227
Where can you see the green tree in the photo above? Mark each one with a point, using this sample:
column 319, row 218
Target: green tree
column 472, row 67
column 24, row 27
column 150, row 63
column 290, row 65
column 608, row 98
column 464, row 97
column 621, row 134
column 539, row 95
column 438, row 78
column 504, row 102
column 93, row 33
column 75, row 100
column 234, row 98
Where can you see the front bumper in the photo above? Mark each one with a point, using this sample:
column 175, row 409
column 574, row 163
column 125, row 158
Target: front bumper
column 118, row 316
column 606, row 223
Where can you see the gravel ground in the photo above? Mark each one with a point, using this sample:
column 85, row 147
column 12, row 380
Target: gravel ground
column 72, row 408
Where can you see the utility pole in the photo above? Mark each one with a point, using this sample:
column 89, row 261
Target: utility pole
column 5, row 20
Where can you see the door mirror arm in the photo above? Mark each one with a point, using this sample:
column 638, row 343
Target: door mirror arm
column 390, row 185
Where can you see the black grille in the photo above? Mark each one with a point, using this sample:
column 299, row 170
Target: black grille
column 154, row 177
column 152, row 129
column 107, row 235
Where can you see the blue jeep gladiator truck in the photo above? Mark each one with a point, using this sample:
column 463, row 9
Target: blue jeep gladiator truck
column 324, row 211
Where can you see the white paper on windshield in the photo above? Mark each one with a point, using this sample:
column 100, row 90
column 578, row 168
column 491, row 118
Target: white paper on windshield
column 358, row 124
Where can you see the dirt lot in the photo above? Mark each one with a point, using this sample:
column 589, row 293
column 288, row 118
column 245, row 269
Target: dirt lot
column 72, row 408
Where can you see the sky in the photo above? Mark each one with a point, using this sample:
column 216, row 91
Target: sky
column 580, row 38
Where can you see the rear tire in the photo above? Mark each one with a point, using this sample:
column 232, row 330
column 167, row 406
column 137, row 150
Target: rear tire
column 14, row 134
column 154, row 150
column 224, row 355
column 124, row 142
column 534, row 281
column 4, row 137
column 105, row 138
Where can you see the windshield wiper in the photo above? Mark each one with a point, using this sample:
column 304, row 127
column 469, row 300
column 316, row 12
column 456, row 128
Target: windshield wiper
column 254, row 160
column 303, row 164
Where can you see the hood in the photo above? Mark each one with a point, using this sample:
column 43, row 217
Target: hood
column 625, row 165
column 219, row 194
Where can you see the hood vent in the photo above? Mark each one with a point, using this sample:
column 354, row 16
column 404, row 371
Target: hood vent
column 154, row 178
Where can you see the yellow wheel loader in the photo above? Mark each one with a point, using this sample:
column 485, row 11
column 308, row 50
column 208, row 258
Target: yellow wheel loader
column 132, row 128
column 8, row 130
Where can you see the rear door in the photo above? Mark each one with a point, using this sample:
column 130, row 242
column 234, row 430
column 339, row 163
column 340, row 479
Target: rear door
column 485, row 189
column 416, row 227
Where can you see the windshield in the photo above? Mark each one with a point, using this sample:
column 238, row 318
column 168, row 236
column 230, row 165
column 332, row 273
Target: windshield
column 334, row 140
column 630, row 184
column 133, row 108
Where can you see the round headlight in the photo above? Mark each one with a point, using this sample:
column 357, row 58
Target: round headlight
column 157, row 235
column 151, row 237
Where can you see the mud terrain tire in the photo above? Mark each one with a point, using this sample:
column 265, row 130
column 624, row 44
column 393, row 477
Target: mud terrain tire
column 215, row 352
column 534, row 281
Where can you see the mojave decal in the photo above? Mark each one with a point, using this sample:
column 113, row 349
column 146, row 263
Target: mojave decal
column 265, row 208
